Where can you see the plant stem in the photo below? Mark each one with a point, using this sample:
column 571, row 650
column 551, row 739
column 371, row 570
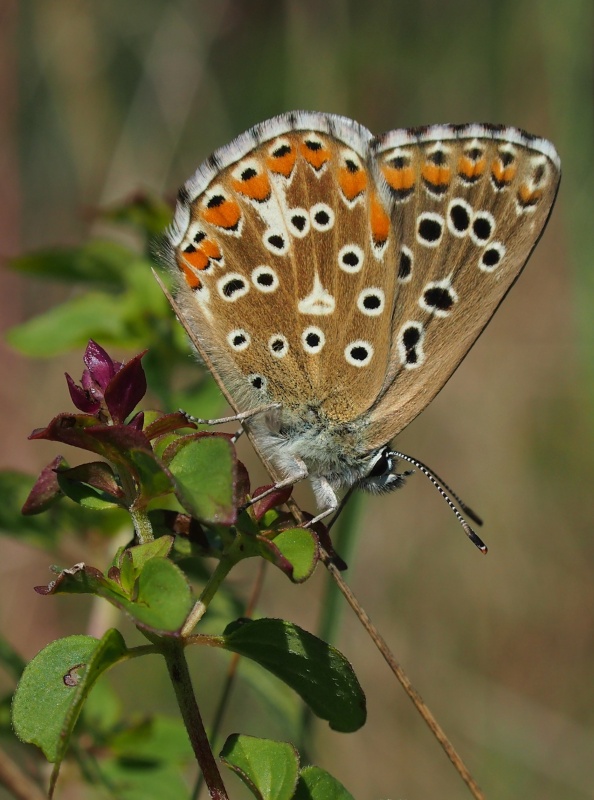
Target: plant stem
column 177, row 666
column 142, row 526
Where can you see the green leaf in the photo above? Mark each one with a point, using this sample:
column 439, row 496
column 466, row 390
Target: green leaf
column 142, row 553
column 85, row 495
column 90, row 316
column 268, row 768
column 318, row 672
column 153, row 480
column 203, row 467
column 317, row 784
column 98, row 261
column 163, row 598
column 54, row 686
column 300, row 547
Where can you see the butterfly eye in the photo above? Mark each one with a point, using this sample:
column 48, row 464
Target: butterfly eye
column 382, row 465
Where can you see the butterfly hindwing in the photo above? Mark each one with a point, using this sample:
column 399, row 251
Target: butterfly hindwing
column 468, row 205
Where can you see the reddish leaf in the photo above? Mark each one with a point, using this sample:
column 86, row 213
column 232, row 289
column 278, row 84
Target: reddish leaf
column 45, row 490
column 276, row 498
column 126, row 389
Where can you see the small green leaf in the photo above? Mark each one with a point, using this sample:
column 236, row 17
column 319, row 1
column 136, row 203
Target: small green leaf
column 317, row 784
column 54, row 686
column 164, row 597
column 85, row 495
column 153, row 480
column 300, row 547
column 203, row 468
column 269, row 769
column 318, row 672
column 158, row 548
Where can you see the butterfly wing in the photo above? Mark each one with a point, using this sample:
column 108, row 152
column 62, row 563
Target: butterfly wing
column 282, row 242
column 467, row 206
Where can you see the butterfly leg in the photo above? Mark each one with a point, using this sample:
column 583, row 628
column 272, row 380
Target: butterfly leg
column 326, row 498
column 299, row 474
column 239, row 417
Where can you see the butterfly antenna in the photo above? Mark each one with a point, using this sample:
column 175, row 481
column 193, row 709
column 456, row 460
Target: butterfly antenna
column 447, row 495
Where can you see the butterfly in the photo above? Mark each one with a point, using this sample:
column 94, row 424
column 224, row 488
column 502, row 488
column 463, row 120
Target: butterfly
column 334, row 280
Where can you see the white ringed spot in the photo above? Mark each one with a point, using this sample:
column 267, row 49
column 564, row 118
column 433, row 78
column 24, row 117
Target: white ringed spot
column 358, row 353
column 239, row 339
column 278, row 345
column 483, row 225
column 410, row 344
column 491, row 257
column 429, row 228
column 371, row 301
column 257, row 382
column 276, row 241
column 313, row 339
column 265, row 279
column 232, row 286
column 460, row 215
column 299, row 224
column 350, row 258
column 322, row 217
column 438, row 298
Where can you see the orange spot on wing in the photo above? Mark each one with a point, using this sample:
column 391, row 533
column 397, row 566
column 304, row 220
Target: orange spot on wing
column 282, row 165
column 317, row 158
column 436, row 175
column 400, row 179
column 197, row 258
column 528, row 196
column 471, row 169
column 380, row 221
column 256, row 188
column 352, row 183
column 190, row 276
column 225, row 215
column 503, row 175
column 211, row 249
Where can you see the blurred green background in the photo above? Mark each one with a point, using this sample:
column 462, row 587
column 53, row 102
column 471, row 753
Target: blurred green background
column 101, row 98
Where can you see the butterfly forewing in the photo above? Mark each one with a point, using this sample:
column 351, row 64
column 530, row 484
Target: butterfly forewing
column 467, row 206
column 289, row 262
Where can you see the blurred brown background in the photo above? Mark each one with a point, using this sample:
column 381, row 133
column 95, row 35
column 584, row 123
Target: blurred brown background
column 100, row 99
